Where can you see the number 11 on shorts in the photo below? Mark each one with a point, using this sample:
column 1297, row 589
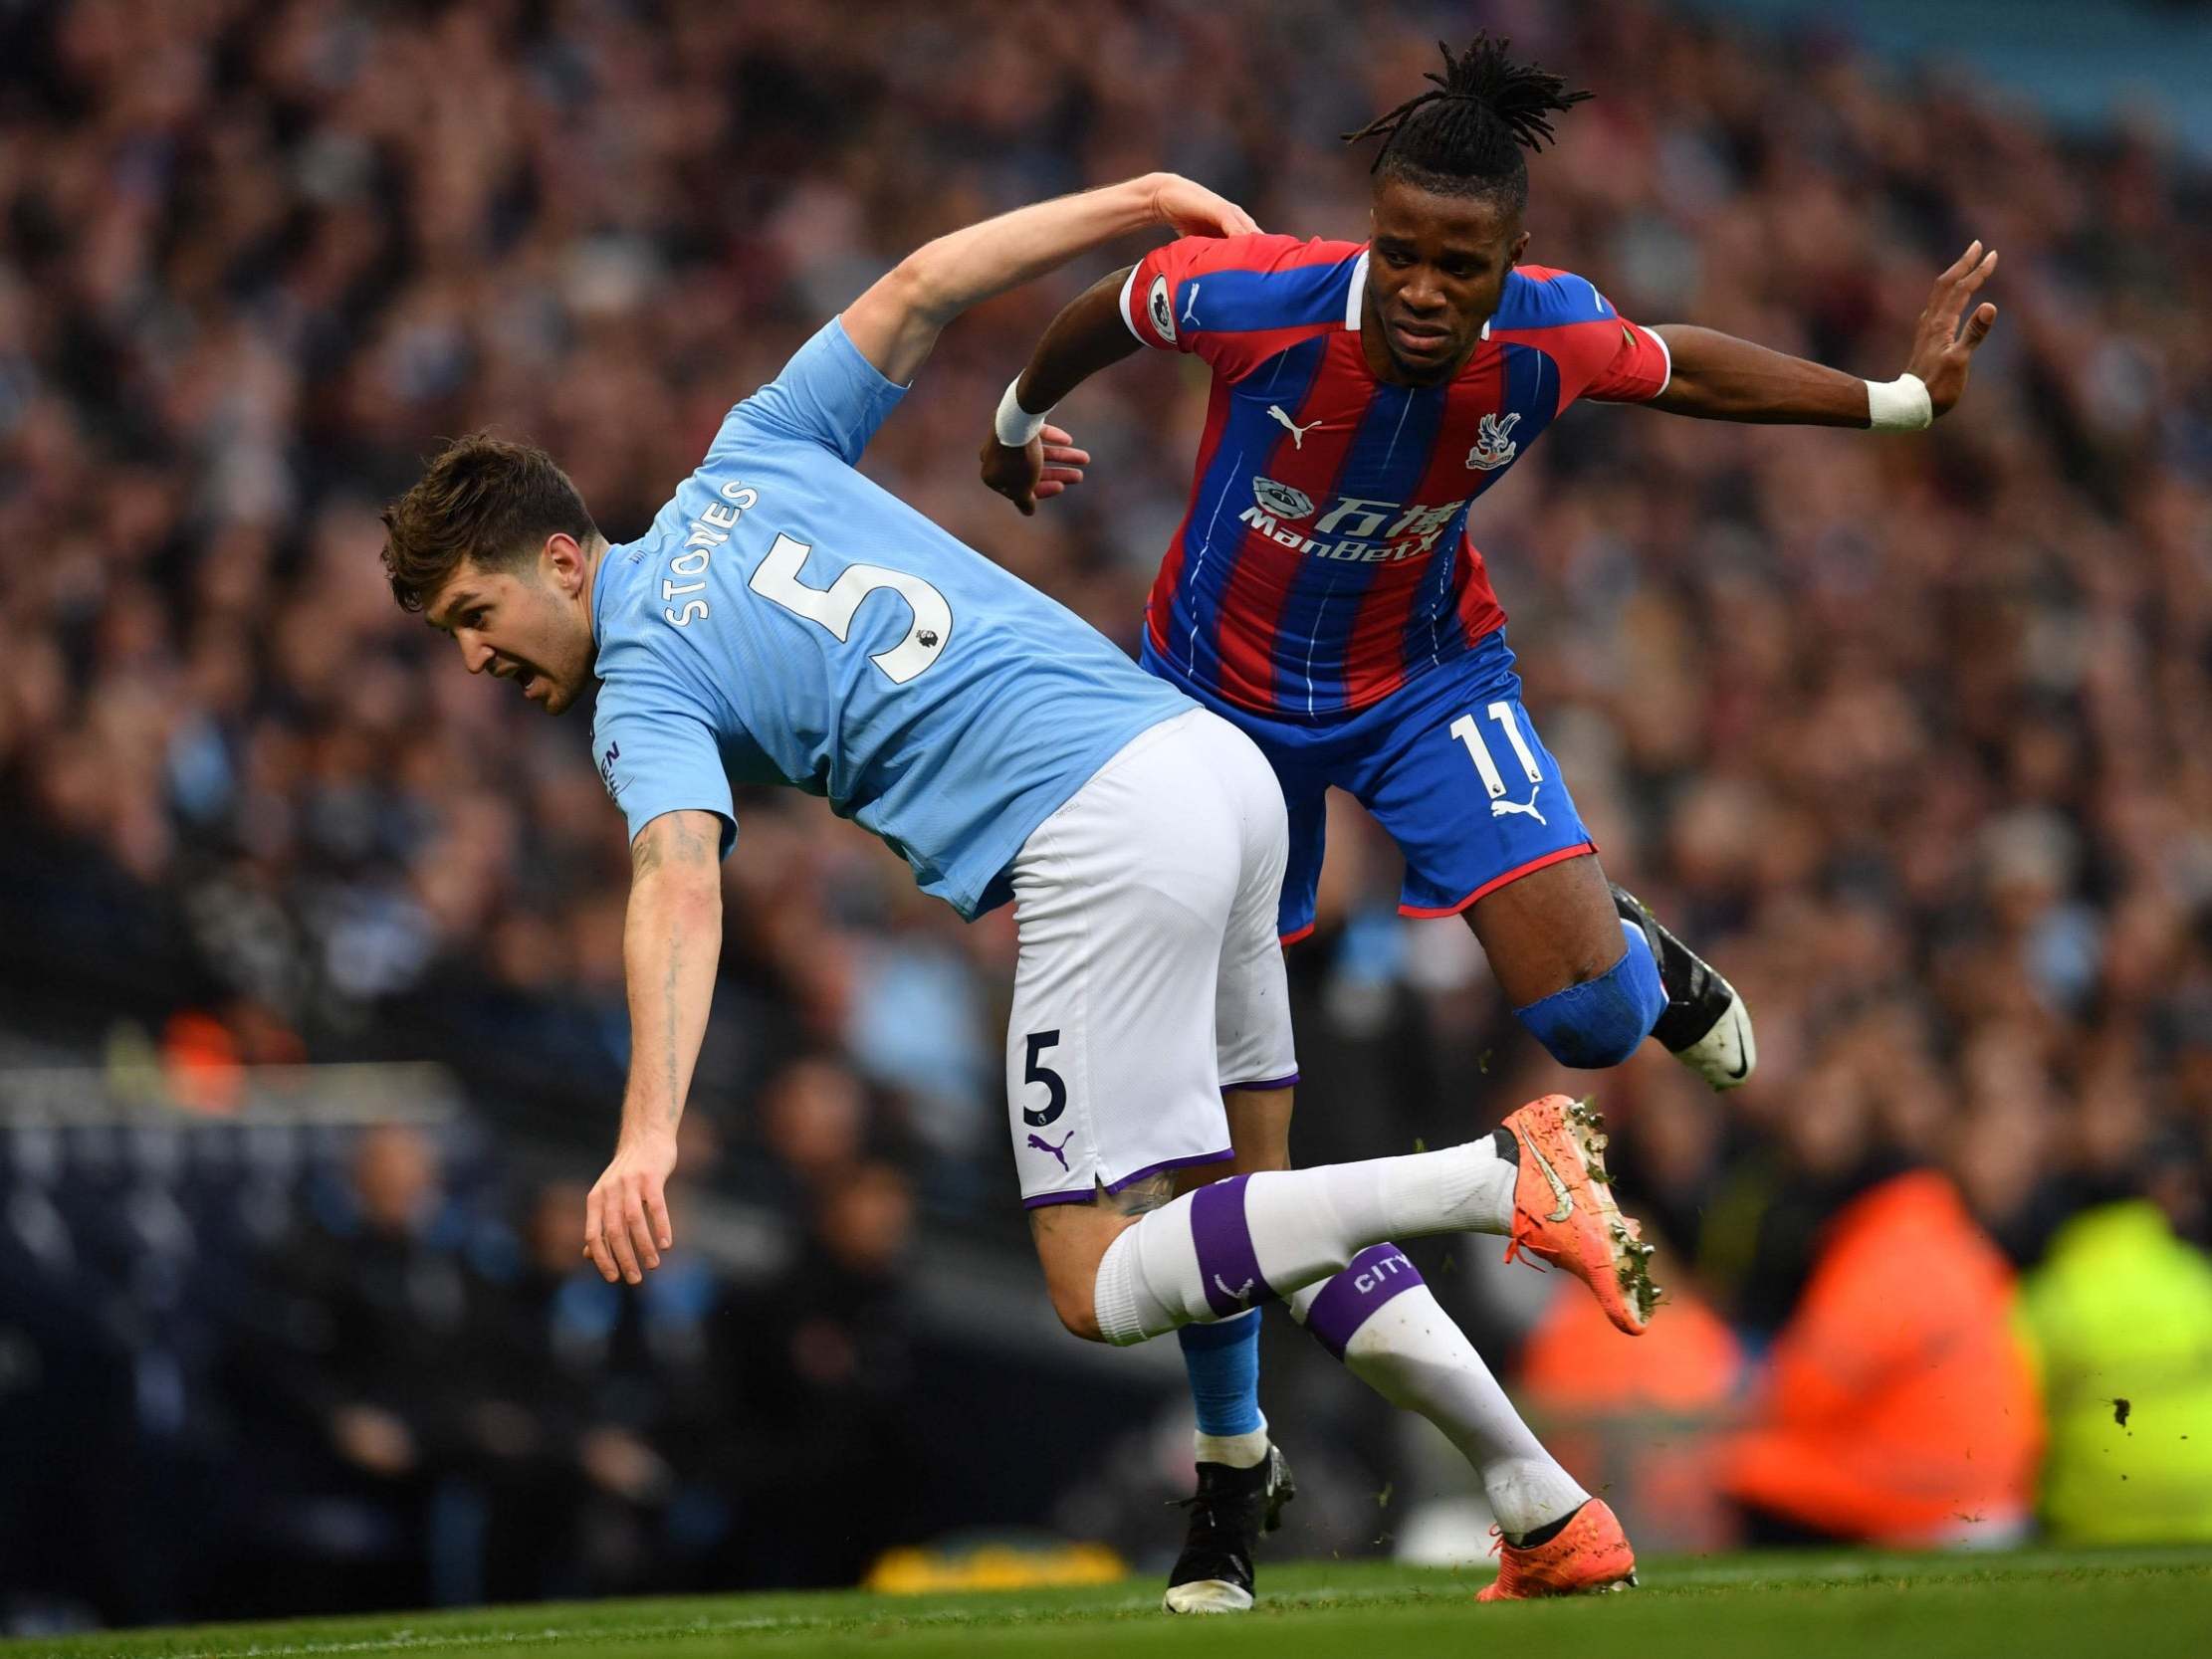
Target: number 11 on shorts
column 1470, row 734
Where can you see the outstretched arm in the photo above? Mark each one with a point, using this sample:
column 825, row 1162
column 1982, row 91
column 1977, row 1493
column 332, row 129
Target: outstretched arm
column 671, row 943
column 1719, row 377
column 897, row 321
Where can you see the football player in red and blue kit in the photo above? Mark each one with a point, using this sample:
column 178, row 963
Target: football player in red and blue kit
column 1324, row 594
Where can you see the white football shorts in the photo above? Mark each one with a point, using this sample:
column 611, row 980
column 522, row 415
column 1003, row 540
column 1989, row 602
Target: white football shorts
column 1150, row 978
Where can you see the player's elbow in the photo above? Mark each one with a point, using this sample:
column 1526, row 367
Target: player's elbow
column 696, row 893
column 921, row 285
column 687, row 891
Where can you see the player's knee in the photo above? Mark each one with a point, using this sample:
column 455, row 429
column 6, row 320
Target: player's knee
column 1071, row 1280
column 1077, row 1306
column 1600, row 1022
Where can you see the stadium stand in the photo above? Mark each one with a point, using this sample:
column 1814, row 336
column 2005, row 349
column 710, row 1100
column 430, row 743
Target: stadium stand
column 1914, row 736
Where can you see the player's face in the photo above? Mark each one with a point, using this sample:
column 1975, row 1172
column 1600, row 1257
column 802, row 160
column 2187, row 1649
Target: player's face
column 526, row 625
column 1435, row 270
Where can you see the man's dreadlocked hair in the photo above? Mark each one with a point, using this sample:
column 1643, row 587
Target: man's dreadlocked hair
column 1466, row 138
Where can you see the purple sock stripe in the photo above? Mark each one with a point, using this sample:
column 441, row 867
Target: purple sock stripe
column 1226, row 1261
column 1349, row 1301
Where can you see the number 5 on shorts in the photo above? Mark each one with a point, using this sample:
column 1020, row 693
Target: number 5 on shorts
column 1054, row 1088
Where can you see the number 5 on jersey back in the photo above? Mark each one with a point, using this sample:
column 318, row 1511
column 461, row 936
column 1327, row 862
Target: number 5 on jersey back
column 776, row 579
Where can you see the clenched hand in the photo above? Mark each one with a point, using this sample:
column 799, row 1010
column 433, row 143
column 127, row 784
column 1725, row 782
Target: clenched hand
column 1043, row 468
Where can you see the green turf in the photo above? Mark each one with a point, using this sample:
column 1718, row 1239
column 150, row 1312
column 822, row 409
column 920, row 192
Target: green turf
column 2129, row 1604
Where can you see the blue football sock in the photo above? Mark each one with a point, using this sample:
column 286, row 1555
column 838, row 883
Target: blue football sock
column 1600, row 1022
column 1223, row 1362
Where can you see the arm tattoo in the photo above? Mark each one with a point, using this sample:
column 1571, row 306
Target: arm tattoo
column 685, row 841
column 1139, row 1196
column 674, row 838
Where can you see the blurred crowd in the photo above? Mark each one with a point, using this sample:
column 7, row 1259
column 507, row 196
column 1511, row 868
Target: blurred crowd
column 272, row 1370
column 1912, row 735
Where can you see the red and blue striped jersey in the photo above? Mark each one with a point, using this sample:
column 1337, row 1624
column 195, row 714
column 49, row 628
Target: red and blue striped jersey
column 1323, row 560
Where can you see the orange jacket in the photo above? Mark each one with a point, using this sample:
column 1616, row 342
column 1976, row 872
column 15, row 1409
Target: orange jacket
column 1899, row 1406
column 1640, row 1416
column 1575, row 1365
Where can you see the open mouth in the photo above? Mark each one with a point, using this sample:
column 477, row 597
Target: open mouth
column 526, row 678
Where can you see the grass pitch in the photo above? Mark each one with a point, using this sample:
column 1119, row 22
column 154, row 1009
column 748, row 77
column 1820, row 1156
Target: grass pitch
column 2142, row 1603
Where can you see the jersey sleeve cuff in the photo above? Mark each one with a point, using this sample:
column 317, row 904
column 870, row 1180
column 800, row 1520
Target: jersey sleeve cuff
column 856, row 361
column 1128, row 290
column 1666, row 356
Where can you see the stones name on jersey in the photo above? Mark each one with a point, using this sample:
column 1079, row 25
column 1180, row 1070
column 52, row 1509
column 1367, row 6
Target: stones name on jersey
column 708, row 531
column 1354, row 527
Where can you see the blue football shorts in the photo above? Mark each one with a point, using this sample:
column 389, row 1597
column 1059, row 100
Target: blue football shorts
column 1449, row 765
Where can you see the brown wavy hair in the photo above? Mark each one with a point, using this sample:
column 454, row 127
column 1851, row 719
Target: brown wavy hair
column 484, row 501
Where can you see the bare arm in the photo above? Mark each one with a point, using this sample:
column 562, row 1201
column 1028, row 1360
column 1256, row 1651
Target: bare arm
column 1089, row 335
column 896, row 323
column 671, row 945
column 1719, row 377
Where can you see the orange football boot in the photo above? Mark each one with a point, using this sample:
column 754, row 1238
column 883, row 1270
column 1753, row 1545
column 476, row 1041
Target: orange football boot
column 1563, row 1209
column 1588, row 1555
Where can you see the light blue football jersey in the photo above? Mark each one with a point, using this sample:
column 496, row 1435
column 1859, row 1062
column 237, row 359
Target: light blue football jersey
column 787, row 621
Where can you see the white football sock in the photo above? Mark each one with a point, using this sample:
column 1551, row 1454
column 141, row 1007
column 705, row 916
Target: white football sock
column 1383, row 1321
column 1239, row 1451
column 1212, row 1253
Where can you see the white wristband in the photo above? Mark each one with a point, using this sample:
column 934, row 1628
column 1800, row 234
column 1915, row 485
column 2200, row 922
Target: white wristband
column 1899, row 405
column 1015, row 425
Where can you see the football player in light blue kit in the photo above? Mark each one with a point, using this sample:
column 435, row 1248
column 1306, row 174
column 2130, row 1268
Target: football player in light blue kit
column 786, row 620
